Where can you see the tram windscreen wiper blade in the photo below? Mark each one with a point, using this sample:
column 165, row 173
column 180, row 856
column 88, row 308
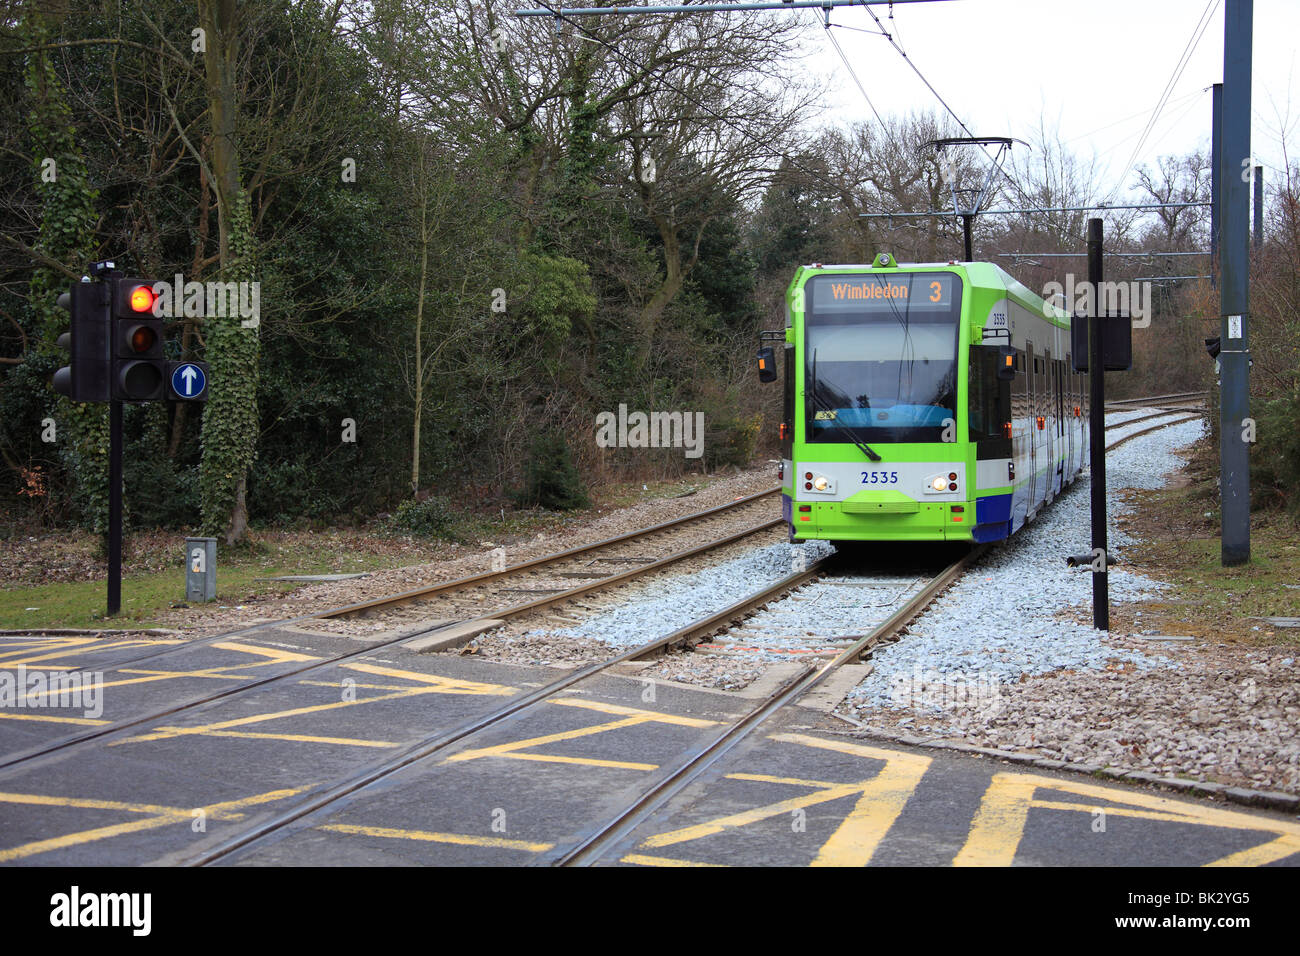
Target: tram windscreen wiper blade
column 826, row 407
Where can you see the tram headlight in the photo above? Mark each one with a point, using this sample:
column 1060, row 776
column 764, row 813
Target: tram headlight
column 939, row 484
column 820, row 484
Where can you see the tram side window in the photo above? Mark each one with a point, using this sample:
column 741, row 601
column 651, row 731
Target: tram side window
column 1019, row 390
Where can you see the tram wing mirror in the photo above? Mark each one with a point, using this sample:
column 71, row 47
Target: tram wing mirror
column 767, row 364
column 1006, row 363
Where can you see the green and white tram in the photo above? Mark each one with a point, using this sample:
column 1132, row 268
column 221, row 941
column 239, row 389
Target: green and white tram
column 923, row 402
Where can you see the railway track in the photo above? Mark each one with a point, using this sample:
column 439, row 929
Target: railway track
column 589, row 847
column 592, row 846
column 1143, row 431
column 1156, row 399
column 416, row 605
column 594, row 843
column 299, row 815
column 551, row 577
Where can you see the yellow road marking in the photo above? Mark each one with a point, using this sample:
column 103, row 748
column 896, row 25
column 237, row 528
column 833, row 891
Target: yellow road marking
column 86, row 803
column 507, row 750
column 606, row 708
column 999, row 823
column 632, row 717
column 854, row 842
column 163, row 733
column 151, row 676
column 429, row 684
column 166, row 817
column 444, row 685
column 584, row 761
column 271, row 655
column 49, row 718
column 1263, row 854
column 52, row 643
column 75, row 644
column 274, row 655
column 642, row 859
column 1112, row 811
column 791, row 781
column 752, row 815
column 461, row 839
column 303, row 738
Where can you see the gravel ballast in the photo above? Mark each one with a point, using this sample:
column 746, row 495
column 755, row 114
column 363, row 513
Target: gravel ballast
column 1018, row 678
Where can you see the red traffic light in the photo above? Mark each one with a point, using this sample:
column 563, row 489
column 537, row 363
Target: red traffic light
column 141, row 299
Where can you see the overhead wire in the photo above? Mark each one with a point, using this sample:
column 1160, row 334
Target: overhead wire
column 1198, row 31
column 854, row 75
column 660, row 72
column 1102, row 129
column 930, row 86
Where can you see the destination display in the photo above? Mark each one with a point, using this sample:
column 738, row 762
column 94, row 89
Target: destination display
column 879, row 292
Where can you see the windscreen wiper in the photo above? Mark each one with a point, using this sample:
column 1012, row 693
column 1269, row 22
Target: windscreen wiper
column 826, row 407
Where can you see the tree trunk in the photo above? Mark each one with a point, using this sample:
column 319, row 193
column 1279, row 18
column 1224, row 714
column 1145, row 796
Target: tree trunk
column 230, row 419
column 239, row 514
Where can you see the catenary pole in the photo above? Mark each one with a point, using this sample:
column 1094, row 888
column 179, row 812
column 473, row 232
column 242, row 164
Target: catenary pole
column 1234, row 223
column 1097, row 436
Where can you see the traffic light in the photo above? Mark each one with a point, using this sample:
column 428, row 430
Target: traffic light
column 85, row 378
column 139, row 365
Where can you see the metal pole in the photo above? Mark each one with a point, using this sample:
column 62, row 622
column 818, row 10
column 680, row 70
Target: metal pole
column 965, row 231
column 114, row 507
column 1259, row 207
column 1097, row 429
column 1216, row 160
column 1234, row 405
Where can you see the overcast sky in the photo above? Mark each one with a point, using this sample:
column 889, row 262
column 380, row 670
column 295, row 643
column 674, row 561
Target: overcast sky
column 1091, row 69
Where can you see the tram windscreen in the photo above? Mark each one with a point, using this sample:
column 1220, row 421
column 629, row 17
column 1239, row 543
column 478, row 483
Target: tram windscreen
column 880, row 363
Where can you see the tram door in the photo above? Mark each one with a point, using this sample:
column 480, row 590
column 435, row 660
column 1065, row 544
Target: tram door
column 1031, row 432
column 1067, row 416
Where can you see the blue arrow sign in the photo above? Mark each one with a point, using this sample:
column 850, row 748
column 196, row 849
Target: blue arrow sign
column 188, row 381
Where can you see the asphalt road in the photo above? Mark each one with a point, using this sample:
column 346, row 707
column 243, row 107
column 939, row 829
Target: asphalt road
column 802, row 790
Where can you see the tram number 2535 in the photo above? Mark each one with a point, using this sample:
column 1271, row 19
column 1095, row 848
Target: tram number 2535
column 880, row 477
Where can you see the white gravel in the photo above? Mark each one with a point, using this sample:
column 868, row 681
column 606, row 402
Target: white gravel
column 666, row 605
column 1000, row 620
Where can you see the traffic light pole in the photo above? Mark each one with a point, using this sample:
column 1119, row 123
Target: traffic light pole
column 116, row 355
column 114, row 507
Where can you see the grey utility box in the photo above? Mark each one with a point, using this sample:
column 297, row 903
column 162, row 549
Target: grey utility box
column 200, row 569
